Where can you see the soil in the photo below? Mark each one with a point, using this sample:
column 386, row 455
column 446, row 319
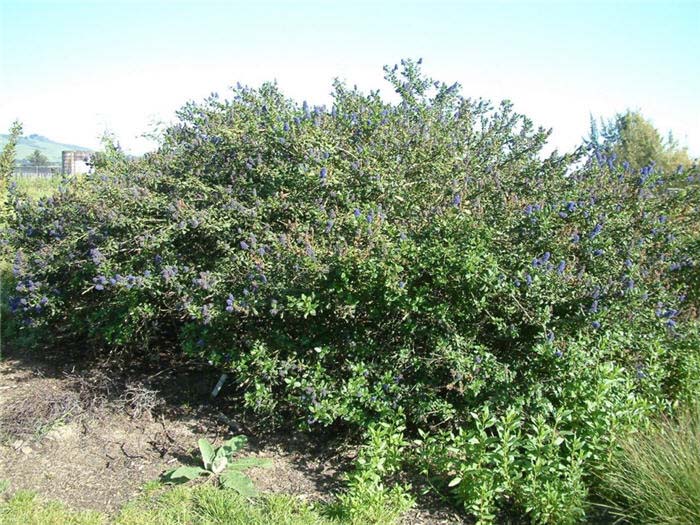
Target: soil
column 92, row 436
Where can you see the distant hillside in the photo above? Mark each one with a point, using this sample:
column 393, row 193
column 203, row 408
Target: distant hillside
column 52, row 150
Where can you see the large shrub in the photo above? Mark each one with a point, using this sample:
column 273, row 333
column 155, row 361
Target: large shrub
column 418, row 262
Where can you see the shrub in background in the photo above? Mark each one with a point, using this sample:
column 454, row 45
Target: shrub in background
column 419, row 258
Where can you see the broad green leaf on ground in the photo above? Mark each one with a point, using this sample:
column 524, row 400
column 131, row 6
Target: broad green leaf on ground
column 220, row 463
column 245, row 463
column 235, row 444
column 233, row 479
column 182, row 474
column 207, row 453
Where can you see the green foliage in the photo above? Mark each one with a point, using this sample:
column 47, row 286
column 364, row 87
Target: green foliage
column 189, row 505
column 37, row 159
column 520, row 314
column 24, row 508
column 632, row 138
column 655, row 477
column 220, row 464
column 7, row 163
column 37, row 187
column 368, row 498
column 202, row 505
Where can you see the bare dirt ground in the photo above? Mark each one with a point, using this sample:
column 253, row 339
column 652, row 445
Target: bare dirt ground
column 92, row 436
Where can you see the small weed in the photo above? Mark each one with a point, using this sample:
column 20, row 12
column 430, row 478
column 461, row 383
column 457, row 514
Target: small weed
column 219, row 463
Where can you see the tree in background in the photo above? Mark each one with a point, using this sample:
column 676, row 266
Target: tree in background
column 7, row 163
column 37, row 159
column 632, row 138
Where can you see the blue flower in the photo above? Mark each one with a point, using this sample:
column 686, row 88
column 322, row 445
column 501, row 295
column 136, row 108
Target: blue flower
column 323, row 173
column 597, row 252
column 244, row 245
column 456, row 200
column 97, row 257
column 169, row 272
column 598, row 228
column 206, row 314
column 561, row 267
column 575, row 238
column 595, row 325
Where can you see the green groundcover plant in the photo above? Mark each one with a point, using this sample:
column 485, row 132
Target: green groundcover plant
column 219, row 463
column 418, row 262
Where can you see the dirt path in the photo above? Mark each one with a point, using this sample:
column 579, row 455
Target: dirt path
column 92, row 440
column 92, row 437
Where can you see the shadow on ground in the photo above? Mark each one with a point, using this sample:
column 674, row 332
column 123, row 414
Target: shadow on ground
column 90, row 429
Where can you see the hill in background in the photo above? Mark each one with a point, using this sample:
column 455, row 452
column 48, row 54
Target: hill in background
column 26, row 146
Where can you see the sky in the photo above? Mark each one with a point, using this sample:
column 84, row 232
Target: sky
column 72, row 70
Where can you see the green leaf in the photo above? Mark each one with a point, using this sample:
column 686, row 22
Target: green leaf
column 183, row 474
column 234, row 444
column 207, row 452
column 455, row 482
column 220, row 461
column 233, row 479
column 245, row 463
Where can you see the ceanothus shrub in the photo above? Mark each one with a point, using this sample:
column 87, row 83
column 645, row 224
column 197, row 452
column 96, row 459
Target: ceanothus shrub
column 419, row 259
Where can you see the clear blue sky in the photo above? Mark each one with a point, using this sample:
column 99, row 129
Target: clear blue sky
column 71, row 69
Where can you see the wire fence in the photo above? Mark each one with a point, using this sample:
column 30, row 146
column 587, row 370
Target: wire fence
column 37, row 171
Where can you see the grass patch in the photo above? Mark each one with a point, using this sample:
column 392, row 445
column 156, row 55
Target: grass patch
column 24, row 508
column 207, row 504
column 37, row 187
column 656, row 477
column 191, row 505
